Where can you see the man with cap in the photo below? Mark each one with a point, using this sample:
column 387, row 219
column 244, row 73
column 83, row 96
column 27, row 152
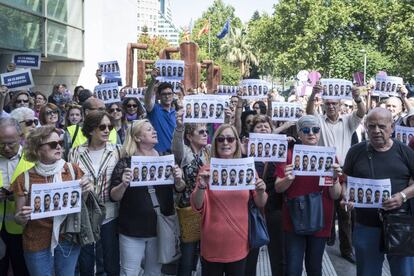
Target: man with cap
column 336, row 131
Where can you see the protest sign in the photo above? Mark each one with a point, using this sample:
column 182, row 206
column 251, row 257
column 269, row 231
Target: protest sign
column 232, row 174
column 27, row 60
column 18, row 80
column 152, row 170
column 110, row 72
column 254, row 89
column 227, row 90
column 175, row 82
column 203, row 108
column 108, row 92
column 170, row 68
column 336, row 89
column 313, row 160
column 283, row 111
column 138, row 92
column 267, row 147
column 387, row 85
column 404, row 134
column 55, row 199
column 370, row 193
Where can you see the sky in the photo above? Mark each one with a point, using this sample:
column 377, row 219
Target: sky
column 184, row 10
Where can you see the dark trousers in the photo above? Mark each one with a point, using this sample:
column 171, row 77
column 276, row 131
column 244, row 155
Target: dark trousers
column 109, row 243
column 344, row 229
column 218, row 269
column 277, row 246
column 189, row 256
column 14, row 254
column 251, row 262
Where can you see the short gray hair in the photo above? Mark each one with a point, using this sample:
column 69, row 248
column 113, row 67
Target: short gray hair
column 21, row 113
column 10, row 122
column 307, row 120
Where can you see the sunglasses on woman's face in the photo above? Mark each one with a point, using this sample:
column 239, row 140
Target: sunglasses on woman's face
column 112, row 110
column 22, row 101
column 202, row 132
column 30, row 122
column 54, row 144
column 221, row 139
column 307, row 130
column 132, row 105
column 103, row 127
column 51, row 112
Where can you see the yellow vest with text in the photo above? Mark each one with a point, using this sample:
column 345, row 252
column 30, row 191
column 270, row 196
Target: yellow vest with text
column 80, row 139
column 7, row 207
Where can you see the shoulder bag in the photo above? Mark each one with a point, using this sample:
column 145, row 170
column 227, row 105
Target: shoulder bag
column 258, row 234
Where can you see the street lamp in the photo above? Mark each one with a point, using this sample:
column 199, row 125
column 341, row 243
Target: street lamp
column 365, row 64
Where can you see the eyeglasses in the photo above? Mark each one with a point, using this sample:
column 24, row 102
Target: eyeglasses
column 203, row 131
column 9, row 145
column 54, row 144
column 221, row 139
column 348, row 105
column 307, row 130
column 22, row 101
column 329, row 103
column 112, row 110
column 166, row 94
column 103, row 127
column 132, row 105
column 51, row 112
column 30, row 122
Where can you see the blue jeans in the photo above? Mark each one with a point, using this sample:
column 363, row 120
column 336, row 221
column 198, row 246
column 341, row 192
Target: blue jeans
column 188, row 257
column 369, row 258
column 42, row 263
column 308, row 246
column 110, row 250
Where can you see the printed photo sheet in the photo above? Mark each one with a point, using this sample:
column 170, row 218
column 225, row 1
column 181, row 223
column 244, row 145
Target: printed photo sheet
column 367, row 193
column 254, row 89
column 336, row 89
column 203, row 108
column 152, row 170
column 138, row 92
column 55, row 199
column 267, row 147
column 175, row 82
column 404, row 134
column 313, row 160
column 170, row 68
column 232, row 174
column 283, row 111
column 108, row 93
column 110, row 72
column 387, row 85
column 227, row 90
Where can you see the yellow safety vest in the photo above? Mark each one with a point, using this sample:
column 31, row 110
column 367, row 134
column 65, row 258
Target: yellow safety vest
column 7, row 207
column 80, row 139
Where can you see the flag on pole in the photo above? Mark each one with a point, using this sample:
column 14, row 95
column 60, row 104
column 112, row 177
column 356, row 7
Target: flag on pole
column 205, row 29
column 225, row 30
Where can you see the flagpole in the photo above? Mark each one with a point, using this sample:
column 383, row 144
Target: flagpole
column 209, row 38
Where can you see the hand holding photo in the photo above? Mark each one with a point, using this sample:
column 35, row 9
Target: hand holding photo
column 267, row 147
column 254, row 89
column 283, row 111
column 152, row 170
column 367, row 193
column 205, row 108
column 108, row 93
column 313, row 160
column 336, row 89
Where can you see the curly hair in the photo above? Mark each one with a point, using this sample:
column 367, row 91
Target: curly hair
column 35, row 139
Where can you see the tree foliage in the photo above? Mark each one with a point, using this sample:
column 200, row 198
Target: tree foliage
column 155, row 45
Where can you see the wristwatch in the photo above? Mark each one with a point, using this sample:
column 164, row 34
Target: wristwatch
column 404, row 196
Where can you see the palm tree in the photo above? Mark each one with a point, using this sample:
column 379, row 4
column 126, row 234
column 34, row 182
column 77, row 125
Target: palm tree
column 238, row 50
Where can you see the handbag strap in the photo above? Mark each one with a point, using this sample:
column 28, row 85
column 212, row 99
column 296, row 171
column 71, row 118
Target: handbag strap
column 370, row 162
column 154, row 199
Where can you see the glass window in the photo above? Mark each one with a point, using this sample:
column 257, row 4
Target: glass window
column 19, row 30
column 66, row 11
column 29, row 5
column 64, row 41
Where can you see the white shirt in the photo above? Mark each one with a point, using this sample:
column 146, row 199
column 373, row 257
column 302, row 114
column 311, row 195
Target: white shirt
column 8, row 166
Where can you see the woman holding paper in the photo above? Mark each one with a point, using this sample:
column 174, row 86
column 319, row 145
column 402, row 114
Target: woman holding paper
column 191, row 150
column 311, row 246
column 224, row 222
column 44, row 148
column 137, row 217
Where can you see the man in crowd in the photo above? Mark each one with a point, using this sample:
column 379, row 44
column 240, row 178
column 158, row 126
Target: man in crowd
column 336, row 131
column 380, row 158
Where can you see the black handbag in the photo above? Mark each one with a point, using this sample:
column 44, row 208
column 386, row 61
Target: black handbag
column 258, row 234
column 306, row 213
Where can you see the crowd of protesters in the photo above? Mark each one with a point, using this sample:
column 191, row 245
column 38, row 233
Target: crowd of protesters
column 69, row 136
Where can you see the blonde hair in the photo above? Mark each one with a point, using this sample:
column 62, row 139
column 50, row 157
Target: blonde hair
column 218, row 132
column 130, row 145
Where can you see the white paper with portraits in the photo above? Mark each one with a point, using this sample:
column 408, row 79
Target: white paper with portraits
column 55, row 199
column 387, row 85
column 336, row 89
column 231, row 90
column 203, row 108
column 254, row 89
column 404, row 134
column 170, row 68
column 313, row 160
column 152, row 170
column 135, row 92
column 108, row 92
column 175, row 82
column 267, row 147
column 110, row 72
column 232, row 174
column 284, row 111
column 367, row 193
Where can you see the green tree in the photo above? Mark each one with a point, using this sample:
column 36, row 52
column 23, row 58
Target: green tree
column 155, row 45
